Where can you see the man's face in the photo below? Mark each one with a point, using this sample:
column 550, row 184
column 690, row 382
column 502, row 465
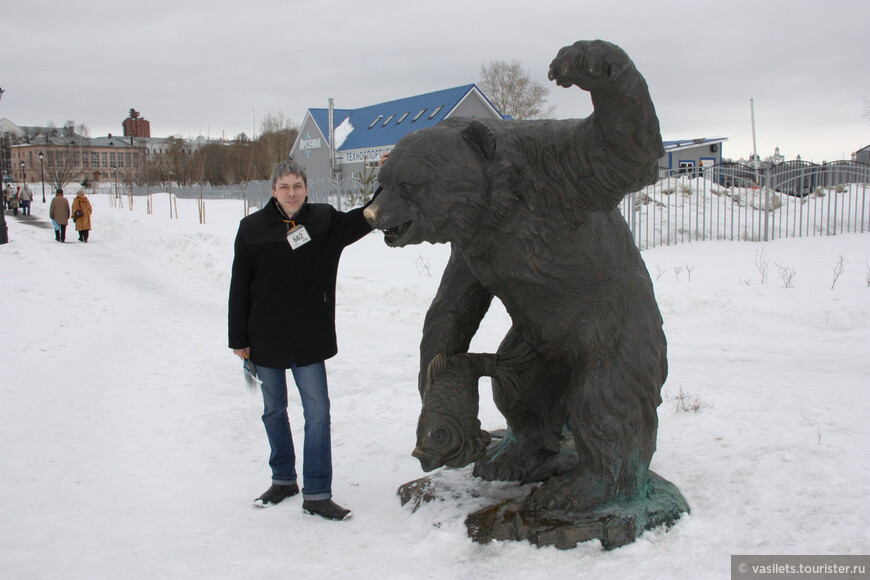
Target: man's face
column 290, row 191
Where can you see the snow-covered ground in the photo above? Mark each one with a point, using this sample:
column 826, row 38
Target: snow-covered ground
column 131, row 448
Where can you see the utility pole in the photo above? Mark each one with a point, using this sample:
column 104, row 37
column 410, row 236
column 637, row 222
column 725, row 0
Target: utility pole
column 331, row 138
column 754, row 148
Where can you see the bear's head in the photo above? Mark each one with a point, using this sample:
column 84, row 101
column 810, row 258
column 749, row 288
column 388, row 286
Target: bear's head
column 435, row 185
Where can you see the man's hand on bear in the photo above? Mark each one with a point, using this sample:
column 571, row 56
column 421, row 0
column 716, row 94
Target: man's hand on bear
column 589, row 64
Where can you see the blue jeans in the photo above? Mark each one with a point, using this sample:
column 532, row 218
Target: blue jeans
column 317, row 450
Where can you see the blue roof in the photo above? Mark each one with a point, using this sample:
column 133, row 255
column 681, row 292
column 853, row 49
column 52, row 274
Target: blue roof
column 385, row 123
column 670, row 145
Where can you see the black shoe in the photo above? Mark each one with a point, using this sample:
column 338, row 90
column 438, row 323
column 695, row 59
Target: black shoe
column 276, row 494
column 326, row 508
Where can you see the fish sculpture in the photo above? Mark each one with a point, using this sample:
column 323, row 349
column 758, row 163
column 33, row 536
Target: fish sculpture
column 448, row 430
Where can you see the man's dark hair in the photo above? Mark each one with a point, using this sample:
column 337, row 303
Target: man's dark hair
column 288, row 167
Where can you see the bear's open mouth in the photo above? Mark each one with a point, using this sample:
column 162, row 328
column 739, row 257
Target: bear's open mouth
column 393, row 234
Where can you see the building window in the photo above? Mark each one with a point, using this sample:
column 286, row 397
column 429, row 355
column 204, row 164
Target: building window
column 435, row 112
column 127, row 157
column 105, row 158
column 112, row 158
column 402, row 118
column 417, row 116
column 95, row 159
column 687, row 167
column 84, row 159
column 375, row 122
column 136, row 162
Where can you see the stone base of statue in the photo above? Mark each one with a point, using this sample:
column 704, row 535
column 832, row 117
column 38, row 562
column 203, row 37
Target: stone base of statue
column 510, row 518
column 614, row 525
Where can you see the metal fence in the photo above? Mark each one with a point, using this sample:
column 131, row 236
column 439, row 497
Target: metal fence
column 256, row 192
column 343, row 195
column 736, row 202
column 724, row 202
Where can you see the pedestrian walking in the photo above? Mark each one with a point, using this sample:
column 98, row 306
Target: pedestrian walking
column 25, row 198
column 13, row 202
column 81, row 214
column 59, row 213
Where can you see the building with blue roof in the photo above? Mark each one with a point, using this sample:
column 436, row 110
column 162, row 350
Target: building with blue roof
column 687, row 155
column 358, row 138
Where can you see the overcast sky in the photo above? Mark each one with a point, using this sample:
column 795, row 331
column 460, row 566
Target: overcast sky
column 213, row 67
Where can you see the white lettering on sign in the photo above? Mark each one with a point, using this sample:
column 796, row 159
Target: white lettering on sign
column 309, row 144
column 366, row 155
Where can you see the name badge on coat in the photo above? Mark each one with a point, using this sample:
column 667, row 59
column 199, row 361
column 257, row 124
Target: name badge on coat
column 298, row 237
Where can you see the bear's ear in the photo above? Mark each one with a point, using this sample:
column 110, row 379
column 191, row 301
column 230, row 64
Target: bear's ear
column 481, row 139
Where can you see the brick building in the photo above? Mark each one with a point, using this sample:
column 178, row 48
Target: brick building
column 136, row 126
column 77, row 158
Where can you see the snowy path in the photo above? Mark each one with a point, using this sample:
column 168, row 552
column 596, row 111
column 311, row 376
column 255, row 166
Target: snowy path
column 130, row 448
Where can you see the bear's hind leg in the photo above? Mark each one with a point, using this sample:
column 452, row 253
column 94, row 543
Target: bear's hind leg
column 614, row 422
column 527, row 396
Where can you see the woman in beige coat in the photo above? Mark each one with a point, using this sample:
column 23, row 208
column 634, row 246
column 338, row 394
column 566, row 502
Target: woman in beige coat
column 81, row 213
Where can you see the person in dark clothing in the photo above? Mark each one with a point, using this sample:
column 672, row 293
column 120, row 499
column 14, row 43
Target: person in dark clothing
column 282, row 316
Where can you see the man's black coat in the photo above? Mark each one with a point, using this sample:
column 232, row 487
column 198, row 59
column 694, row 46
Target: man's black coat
column 282, row 301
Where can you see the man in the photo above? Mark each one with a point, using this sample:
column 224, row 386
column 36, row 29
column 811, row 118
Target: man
column 58, row 211
column 26, row 197
column 282, row 316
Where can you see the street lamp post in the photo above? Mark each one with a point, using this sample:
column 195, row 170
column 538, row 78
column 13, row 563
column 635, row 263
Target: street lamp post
column 23, row 175
column 115, row 178
column 4, row 231
column 42, row 175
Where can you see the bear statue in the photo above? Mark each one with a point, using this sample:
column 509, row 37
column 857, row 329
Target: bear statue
column 530, row 210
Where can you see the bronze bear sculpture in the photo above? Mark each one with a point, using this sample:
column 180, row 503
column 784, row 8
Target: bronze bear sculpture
column 530, row 210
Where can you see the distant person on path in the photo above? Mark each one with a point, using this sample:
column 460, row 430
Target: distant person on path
column 81, row 213
column 282, row 316
column 7, row 197
column 26, row 197
column 13, row 202
column 59, row 213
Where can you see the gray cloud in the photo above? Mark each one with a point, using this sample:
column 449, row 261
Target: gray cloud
column 216, row 67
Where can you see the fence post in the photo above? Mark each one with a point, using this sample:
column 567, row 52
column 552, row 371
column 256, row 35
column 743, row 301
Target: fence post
column 767, row 186
column 632, row 220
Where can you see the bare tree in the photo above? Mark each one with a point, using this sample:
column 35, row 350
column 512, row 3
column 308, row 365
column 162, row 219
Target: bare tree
column 513, row 92
column 277, row 134
column 179, row 163
column 63, row 164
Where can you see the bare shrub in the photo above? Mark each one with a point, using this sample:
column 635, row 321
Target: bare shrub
column 787, row 274
column 423, row 266
column 838, row 270
column 686, row 188
column 685, row 402
column 761, row 263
